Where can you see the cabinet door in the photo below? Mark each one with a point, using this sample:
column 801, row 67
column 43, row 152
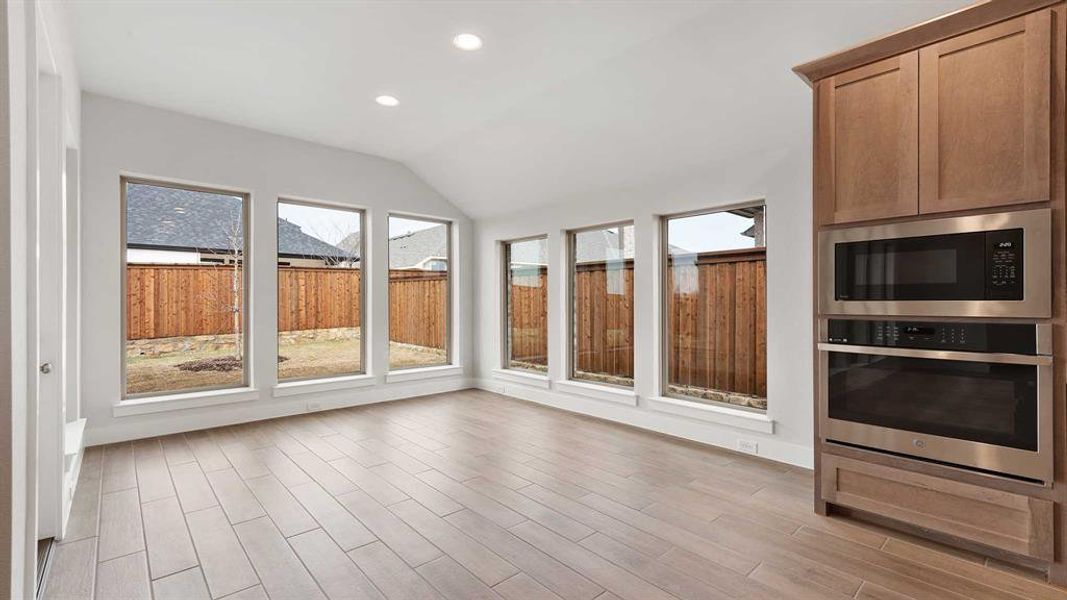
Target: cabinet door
column 984, row 110
column 867, row 142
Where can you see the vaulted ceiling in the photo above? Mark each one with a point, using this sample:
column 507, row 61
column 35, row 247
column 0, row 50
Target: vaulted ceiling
column 564, row 98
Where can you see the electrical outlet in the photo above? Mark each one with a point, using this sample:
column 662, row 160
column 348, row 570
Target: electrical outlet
column 748, row 446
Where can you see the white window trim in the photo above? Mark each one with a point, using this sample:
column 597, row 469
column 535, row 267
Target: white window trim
column 420, row 373
column 608, row 393
column 714, row 413
column 328, row 384
column 157, row 404
column 247, row 342
column 523, row 377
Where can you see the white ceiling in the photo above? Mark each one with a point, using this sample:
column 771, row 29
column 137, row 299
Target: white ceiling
column 565, row 97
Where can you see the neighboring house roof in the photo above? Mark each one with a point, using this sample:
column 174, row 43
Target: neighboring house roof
column 165, row 217
column 411, row 250
column 352, row 243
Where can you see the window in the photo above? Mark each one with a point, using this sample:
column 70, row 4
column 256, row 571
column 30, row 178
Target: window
column 419, row 292
column 715, row 283
column 602, row 307
column 320, row 291
column 526, row 305
column 184, row 276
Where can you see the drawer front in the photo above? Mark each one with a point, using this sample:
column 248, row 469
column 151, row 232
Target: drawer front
column 1011, row 522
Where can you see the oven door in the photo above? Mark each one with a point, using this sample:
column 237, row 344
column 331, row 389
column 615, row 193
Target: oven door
column 986, row 411
column 937, row 267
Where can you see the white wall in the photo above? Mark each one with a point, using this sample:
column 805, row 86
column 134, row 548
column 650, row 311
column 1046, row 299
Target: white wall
column 125, row 138
column 781, row 176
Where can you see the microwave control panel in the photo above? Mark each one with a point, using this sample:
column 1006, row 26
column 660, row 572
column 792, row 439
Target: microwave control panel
column 1004, row 264
column 1014, row 338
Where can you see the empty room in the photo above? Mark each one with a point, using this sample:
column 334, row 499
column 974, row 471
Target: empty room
column 533, row 299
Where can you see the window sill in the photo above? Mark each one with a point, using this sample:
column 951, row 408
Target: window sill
column 328, row 384
column 158, row 404
column 714, row 413
column 514, row 376
column 598, row 392
column 423, row 373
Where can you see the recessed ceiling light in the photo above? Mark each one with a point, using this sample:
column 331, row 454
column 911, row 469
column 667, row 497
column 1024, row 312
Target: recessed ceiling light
column 467, row 41
column 387, row 100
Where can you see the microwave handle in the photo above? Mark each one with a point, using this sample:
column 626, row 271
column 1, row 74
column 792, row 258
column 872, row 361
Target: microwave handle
column 987, row 357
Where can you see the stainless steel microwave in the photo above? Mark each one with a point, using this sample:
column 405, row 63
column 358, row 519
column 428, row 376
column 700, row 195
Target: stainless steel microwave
column 992, row 265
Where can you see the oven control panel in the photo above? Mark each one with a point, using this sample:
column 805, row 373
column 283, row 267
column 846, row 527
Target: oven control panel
column 1004, row 264
column 1014, row 338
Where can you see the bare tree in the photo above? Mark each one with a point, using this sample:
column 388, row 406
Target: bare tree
column 230, row 301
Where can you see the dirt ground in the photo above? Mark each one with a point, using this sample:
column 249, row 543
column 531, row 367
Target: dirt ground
column 327, row 358
column 145, row 374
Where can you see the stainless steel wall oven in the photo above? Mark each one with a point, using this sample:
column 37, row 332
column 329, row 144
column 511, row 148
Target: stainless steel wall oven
column 971, row 394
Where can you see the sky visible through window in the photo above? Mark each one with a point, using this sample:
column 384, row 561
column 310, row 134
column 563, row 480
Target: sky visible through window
column 330, row 225
column 402, row 226
column 709, row 233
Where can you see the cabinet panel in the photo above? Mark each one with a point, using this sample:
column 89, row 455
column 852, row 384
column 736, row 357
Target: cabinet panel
column 984, row 110
column 867, row 124
column 1012, row 522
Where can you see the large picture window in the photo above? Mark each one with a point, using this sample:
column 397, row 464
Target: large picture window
column 716, row 307
column 320, row 291
column 184, row 275
column 526, row 305
column 420, row 263
column 602, row 304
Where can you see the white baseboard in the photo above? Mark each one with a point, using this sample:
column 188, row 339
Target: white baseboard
column 267, row 407
column 150, row 425
column 770, row 446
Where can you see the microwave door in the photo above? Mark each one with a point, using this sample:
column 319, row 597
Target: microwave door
column 950, row 267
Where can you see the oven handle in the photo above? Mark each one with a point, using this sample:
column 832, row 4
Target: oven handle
column 990, row 357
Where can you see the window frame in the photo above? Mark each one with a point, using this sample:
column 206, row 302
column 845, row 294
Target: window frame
column 572, row 313
column 505, row 315
column 449, row 283
column 664, row 258
column 246, row 283
column 364, row 274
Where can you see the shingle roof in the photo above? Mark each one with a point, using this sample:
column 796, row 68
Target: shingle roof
column 158, row 216
column 410, row 249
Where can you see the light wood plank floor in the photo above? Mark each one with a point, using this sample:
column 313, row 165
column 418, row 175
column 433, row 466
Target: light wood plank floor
column 473, row 495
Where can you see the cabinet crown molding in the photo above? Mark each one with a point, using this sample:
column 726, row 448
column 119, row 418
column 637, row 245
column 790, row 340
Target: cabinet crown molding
column 916, row 36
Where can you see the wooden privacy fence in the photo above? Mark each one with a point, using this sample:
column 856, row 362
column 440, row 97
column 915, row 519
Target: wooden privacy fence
column 604, row 319
column 318, row 298
column 179, row 300
column 190, row 300
column 528, row 315
column 716, row 320
column 716, row 312
column 418, row 312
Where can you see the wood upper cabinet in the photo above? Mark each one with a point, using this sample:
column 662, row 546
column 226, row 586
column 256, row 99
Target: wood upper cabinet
column 867, row 142
column 985, row 116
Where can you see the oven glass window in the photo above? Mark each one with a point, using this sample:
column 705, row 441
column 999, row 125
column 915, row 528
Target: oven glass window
column 974, row 401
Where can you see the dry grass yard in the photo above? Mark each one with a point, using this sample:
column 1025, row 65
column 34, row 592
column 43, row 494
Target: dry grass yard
column 324, row 358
